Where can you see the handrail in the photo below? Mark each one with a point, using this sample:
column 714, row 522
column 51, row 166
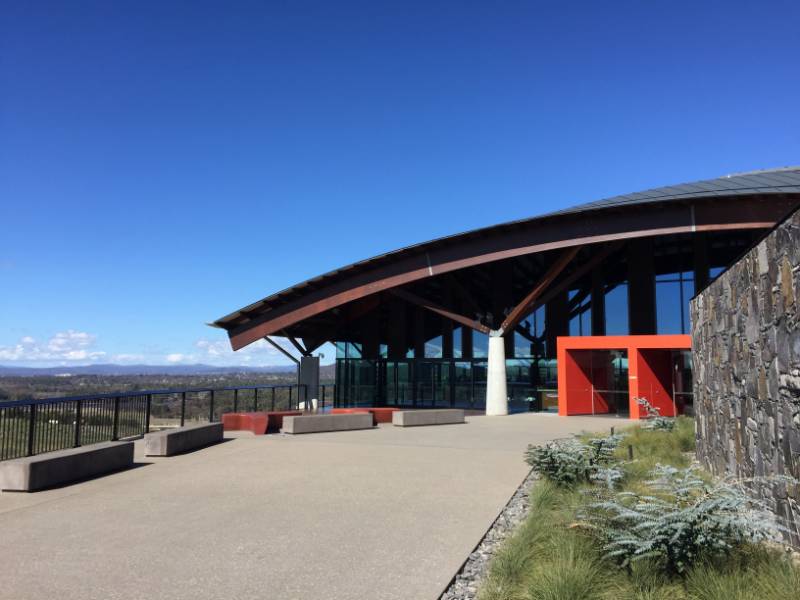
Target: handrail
column 30, row 427
column 133, row 393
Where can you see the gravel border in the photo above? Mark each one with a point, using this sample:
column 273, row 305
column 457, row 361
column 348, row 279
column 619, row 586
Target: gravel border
column 466, row 583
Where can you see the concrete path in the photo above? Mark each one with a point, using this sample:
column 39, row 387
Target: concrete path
column 388, row 513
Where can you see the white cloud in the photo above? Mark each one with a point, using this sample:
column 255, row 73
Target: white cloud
column 127, row 358
column 64, row 346
column 71, row 347
column 219, row 353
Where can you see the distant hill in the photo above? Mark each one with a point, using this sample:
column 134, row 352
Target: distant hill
column 110, row 369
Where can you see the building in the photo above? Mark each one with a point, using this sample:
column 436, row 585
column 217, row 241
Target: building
column 578, row 311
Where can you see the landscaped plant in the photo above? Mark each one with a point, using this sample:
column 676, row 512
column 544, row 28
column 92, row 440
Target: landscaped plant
column 560, row 552
column 681, row 521
column 569, row 462
column 653, row 418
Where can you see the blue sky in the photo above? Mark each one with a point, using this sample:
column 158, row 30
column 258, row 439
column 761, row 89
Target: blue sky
column 165, row 163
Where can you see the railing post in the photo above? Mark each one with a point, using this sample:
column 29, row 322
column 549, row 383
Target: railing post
column 78, row 411
column 31, row 429
column 115, row 424
column 290, row 398
column 211, row 408
column 255, row 401
column 147, row 413
column 183, row 408
column 236, row 400
column 322, row 400
column 273, row 398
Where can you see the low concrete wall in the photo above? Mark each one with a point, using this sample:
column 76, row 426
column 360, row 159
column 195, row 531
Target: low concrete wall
column 184, row 439
column 746, row 355
column 64, row 466
column 414, row 418
column 320, row 423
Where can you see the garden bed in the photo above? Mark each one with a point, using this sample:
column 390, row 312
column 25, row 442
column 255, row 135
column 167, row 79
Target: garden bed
column 561, row 552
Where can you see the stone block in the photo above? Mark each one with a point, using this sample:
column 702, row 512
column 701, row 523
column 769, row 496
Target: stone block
column 52, row 469
column 183, row 439
column 415, row 418
column 322, row 423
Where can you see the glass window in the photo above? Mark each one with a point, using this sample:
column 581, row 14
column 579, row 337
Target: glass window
column 480, row 344
column 433, row 348
column 714, row 271
column 580, row 304
column 673, row 292
column 457, row 342
column 533, row 327
column 617, row 309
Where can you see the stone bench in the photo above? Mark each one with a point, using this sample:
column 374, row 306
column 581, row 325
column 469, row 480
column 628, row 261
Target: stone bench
column 379, row 414
column 257, row 422
column 414, row 418
column 183, row 439
column 320, row 423
column 64, row 466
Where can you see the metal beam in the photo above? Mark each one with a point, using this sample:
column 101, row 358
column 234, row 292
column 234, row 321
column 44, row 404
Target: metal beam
column 296, row 344
column 439, row 310
column 281, row 349
column 520, row 311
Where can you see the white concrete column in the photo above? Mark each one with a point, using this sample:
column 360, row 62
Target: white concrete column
column 496, row 391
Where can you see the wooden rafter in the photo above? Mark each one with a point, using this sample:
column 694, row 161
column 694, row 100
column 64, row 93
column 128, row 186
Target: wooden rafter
column 579, row 272
column 281, row 349
column 296, row 344
column 521, row 310
column 440, row 310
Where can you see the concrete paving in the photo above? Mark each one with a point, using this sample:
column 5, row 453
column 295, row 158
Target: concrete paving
column 386, row 513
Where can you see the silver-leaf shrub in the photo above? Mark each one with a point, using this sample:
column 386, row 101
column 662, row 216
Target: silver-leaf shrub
column 682, row 520
column 652, row 417
column 570, row 462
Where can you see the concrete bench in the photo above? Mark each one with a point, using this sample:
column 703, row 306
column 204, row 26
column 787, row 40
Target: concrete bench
column 257, row 422
column 379, row 414
column 183, row 439
column 64, row 466
column 414, row 418
column 320, row 423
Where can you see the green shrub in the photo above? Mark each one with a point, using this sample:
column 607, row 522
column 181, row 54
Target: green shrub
column 571, row 461
column 681, row 521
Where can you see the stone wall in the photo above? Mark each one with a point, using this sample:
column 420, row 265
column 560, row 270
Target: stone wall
column 746, row 348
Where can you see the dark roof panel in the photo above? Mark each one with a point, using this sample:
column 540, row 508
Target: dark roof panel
column 773, row 181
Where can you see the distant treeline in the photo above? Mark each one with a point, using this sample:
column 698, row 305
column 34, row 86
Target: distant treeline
column 50, row 386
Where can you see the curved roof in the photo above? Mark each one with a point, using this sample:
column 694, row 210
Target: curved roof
column 782, row 181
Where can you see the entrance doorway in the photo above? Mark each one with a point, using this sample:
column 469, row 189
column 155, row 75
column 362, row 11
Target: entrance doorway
column 607, row 374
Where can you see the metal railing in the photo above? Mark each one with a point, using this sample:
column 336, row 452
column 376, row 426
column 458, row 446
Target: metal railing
column 30, row 427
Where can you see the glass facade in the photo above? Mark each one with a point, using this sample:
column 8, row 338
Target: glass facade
column 435, row 380
column 530, row 341
column 673, row 291
column 616, row 298
column 580, row 304
column 443, row 382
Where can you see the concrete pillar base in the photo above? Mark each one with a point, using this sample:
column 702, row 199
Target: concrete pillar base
column 496, row 388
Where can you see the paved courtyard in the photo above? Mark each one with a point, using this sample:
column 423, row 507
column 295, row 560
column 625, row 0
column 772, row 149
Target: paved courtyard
column 379, row 514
